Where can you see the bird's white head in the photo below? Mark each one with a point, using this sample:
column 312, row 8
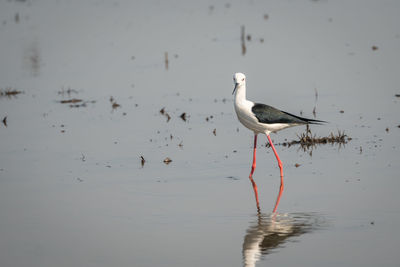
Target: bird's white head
column 239, row 79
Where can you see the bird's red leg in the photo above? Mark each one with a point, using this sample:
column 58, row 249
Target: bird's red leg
column 253, row 167
column 280, row 167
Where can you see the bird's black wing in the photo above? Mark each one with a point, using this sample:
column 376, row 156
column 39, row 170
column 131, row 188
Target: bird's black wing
column 268, row 114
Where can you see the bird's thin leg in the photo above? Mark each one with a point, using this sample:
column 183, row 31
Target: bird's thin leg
column 253, row 167
column 280, row 167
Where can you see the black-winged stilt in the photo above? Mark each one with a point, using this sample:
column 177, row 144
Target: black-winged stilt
column 264, row 119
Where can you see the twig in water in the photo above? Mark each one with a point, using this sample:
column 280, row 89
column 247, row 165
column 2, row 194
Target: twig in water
column 166, row 60
column 243, row 41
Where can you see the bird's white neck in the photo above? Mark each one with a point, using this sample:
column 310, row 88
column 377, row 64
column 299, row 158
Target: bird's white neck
column 240, row 94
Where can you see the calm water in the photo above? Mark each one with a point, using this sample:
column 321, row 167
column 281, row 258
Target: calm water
column 73, row 191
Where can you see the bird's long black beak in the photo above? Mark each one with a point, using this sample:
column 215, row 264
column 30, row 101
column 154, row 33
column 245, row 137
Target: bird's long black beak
column 234, row 89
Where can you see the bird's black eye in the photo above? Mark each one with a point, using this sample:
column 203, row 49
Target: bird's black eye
column 242, row 79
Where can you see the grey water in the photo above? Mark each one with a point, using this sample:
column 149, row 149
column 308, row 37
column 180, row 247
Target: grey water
column 82, row 175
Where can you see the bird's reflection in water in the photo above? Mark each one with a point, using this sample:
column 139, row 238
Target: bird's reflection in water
column 268, row 232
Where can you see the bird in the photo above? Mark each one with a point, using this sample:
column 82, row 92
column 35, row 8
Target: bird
column 263, row 119
column 270, row 232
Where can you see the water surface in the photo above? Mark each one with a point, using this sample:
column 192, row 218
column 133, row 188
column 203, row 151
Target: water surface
column 73, row 191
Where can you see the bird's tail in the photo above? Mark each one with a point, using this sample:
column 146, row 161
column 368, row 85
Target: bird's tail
column 305, row 120
column 318, row 122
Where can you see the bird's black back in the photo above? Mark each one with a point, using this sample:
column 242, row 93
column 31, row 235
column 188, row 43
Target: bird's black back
column 268, row 114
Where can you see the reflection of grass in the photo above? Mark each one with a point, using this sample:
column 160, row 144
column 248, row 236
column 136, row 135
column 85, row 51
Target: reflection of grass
column 68, row 91
column 308, row 140
column 9, row 92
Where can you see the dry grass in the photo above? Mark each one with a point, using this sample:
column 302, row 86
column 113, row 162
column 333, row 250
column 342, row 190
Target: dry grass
column 308, row 140
column 9, row 92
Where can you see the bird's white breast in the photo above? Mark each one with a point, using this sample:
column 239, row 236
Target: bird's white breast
column 249, row 120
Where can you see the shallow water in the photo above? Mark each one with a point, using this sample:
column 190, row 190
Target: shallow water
column 73, row 191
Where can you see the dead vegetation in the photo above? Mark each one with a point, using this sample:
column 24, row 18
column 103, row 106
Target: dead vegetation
column 142, row 161
column 167, row 160
column 114, row 104
column 68, row 91
column 9, row 92
column 166, row 61
column 308, row 141
column 243, row 40
column 71, row 101
column 76, row 102
column 163, row 112
column 5, row 121
column 183, row 116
